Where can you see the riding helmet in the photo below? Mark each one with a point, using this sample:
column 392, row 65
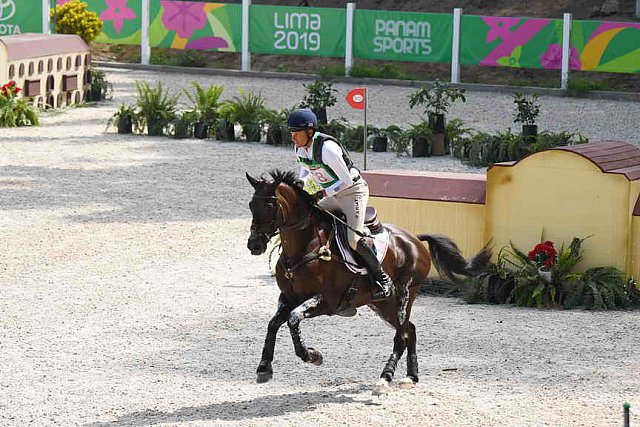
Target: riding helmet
column 302, row 119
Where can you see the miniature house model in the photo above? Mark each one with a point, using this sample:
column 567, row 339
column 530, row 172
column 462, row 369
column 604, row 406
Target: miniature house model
column 53, row 70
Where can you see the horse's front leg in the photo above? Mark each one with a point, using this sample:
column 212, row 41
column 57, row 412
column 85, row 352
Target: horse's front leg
column 265, row 371
column 305, row 353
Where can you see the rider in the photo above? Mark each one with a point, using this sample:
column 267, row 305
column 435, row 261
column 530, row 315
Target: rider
column 325, row 161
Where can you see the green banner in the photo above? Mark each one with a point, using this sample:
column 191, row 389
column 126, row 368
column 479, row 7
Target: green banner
column 612, row 47
column 402, row 36
column 511, row 42
column 23, row 16
column 286, row 30
column 196, row 25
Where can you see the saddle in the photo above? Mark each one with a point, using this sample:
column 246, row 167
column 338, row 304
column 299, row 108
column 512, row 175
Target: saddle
column 378, row 234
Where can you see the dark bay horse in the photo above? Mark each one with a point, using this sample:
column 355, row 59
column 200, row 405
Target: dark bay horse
column 315, row 282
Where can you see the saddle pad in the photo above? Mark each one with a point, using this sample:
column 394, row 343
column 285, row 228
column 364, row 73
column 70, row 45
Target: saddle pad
column 381, row 242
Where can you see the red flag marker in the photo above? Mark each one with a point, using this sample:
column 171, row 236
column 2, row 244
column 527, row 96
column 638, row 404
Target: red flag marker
column 356, row 98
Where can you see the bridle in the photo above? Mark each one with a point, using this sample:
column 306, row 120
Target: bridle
column 273, row 223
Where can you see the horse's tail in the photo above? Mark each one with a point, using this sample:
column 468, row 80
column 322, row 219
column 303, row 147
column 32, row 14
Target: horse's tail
column 448, row 259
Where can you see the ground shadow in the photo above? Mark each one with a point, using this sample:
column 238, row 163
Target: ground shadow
column 261, row 407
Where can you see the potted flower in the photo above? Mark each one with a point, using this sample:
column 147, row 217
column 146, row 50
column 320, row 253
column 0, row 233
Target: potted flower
column 545, row 256
column 15, row 111
column 124, row 119
column 436, row 98
column 225, row 127
column 205, row 106
column 527, row 111
column 157, row 108
column 320, row 95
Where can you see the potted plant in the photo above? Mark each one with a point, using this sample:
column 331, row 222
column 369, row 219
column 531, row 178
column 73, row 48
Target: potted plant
column 527, row 111
column 436, row 98
column 248, row 110
column 100, row 88
column 205, row 106
column 379, row 140
column 225, row 127
column 335, row 127
column 157, row 108
column 320, row 95
column 183, row 124
column 276, row 121
column 421, row 136
column 124, row 119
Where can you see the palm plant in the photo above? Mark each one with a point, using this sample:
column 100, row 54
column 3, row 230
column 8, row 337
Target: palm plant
column 205, row 105
column 248, row 110
column 157, row 108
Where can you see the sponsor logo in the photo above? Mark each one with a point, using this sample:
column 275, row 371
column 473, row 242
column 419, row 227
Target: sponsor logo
column 402, row 37
column 7, row 9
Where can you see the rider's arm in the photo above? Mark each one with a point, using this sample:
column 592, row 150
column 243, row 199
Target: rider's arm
column 332, row 156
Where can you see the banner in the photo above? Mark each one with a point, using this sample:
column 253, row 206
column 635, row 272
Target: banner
column 402, row 36
column 286, row 30
column 18, row 17
column 511, row 42
column 121, row 18
column 196, row 25
column 612, row 47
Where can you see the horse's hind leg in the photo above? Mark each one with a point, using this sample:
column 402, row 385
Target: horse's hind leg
column 265, row 371
column 399, row 345
column 412, row 358
column 305, row 353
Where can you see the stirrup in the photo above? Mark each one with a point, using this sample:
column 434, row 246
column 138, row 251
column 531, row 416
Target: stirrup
column 384, row 291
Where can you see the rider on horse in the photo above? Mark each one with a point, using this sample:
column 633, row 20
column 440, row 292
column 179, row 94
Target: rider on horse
column 325, row 161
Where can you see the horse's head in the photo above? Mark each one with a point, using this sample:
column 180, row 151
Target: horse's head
column 263, row 210
column 273, row 206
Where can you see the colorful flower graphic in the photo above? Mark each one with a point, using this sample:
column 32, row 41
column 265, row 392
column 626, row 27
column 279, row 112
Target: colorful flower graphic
column 117, row 11
column 183, row 17
column 552, row 58
column 499, row 27
column 61, row 2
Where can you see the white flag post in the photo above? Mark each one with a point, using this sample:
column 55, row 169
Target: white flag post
column 357, row 99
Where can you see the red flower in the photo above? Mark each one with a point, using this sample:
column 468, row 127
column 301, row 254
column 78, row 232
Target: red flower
column 10, row 90
column 544, row 254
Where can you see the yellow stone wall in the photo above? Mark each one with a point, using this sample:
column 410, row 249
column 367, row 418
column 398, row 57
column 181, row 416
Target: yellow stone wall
column 463, row 222
column 568, row 196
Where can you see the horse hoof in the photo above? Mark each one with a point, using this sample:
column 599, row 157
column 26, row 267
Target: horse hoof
column 381, row 387
column 315, row 357
column 263, row 377
column 406, row 383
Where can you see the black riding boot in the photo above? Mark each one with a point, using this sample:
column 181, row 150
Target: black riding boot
column 376, row 274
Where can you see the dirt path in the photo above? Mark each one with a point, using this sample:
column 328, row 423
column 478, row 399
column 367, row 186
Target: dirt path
column 128, row 298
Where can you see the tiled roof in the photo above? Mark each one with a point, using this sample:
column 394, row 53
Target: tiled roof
column 24, row 46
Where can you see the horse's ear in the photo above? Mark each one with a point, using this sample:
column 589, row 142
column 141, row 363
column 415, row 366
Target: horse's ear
column 254, row 182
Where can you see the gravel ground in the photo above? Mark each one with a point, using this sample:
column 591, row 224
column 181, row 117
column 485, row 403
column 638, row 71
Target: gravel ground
column 128, row 297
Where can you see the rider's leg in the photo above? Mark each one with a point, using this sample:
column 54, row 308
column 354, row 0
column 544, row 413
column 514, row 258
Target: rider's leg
column 355, row 213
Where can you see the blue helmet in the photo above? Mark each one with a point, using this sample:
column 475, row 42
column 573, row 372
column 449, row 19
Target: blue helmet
column 302, row 119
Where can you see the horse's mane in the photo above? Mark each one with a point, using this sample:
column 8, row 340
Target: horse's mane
column 291, row 179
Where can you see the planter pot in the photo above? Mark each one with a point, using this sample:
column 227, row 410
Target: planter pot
column 181, row 130
column 545, row 273
column 96, row 94
column 437, row 123
column 155, row 127
column 125, row 125
column 252, row 132
column 275, row 135
column 438, row 148
column 200, row 130
column 226, row 131
column 420, row 146
column 321, row 114
column 529, row 133
column 380, row 144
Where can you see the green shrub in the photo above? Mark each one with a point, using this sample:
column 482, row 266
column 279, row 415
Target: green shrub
column 580, row 87
column 74, row 18
column 385, row 71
